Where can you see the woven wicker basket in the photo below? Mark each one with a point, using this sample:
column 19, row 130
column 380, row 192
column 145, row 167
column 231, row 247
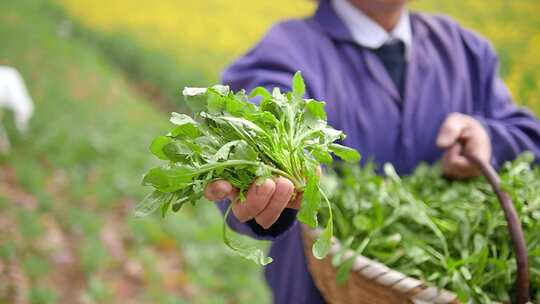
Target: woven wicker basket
column 373, row 283
column 370, row 283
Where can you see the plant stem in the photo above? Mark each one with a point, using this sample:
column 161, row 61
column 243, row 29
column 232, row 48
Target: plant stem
column 329, row 205
column 224, row 227
column 234, row 162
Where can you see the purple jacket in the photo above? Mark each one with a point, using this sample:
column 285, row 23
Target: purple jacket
column 451, row 70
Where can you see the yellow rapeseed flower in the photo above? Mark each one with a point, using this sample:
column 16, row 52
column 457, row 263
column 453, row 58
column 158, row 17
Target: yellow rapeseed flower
column 208, row 35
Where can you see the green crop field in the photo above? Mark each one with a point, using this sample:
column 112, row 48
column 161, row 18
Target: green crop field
column 67, row 189
column 103, row 74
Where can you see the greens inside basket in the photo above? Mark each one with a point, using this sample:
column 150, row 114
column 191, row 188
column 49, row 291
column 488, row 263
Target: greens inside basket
column 449, row 233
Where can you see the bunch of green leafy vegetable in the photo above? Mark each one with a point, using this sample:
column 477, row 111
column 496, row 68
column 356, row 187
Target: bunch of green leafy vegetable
column 450, row 233
column 233, row 139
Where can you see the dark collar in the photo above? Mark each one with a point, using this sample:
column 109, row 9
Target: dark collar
column 330, row 23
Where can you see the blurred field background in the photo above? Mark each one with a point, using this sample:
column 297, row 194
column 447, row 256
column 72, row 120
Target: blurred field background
column 103, row 75
column 206, row 35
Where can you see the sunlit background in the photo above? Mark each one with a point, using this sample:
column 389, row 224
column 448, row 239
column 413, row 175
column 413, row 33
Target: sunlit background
column 103, row 76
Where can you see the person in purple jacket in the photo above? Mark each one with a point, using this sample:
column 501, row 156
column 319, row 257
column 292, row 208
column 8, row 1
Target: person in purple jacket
column 405, row 87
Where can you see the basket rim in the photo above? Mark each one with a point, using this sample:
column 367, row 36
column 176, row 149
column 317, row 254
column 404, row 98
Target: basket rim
column 418, row 291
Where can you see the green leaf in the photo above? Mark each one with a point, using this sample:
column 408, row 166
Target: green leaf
column 299, row 87
column 242, row 246
column 321, row 155
column 156, row 147
column 322, row 244
column 260, row 91
column 216, row 102
column 208, row 146
column 243, row 151
column 164, row 208
column 186, row 126
column 344, row 270
column 390, row 172
column 236, row 149
column 195, row 98
column 332, row 134
column 362, row 222
column 180, row 151
column 169, row 179
column 273, row 106
column 224, row 151
column 221, row 89
column 241, row 125
column 465, row 272
column 155, row 177
column 185, row 131
column 338, row 256
column 262, row 172
column 310, row 202
column 181, row 119
column 345, row 153
column 316, row 109
column 150, row 203
column 264, row 119
column 176, row 206
column 238, row 107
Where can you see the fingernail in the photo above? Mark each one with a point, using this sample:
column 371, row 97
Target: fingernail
column 219, row 192
column 442, row 141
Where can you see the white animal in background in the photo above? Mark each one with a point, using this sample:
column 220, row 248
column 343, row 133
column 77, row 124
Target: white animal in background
column 14, row 97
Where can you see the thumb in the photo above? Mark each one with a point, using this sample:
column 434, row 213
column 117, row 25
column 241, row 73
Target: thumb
column 450, row 131
column 218, row 190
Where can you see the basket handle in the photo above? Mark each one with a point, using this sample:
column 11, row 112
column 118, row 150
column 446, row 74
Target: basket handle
column 514, row 228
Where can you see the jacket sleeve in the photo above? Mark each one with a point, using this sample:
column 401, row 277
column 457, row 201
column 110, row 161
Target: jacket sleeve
column 512, row 129
column 271, row 63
